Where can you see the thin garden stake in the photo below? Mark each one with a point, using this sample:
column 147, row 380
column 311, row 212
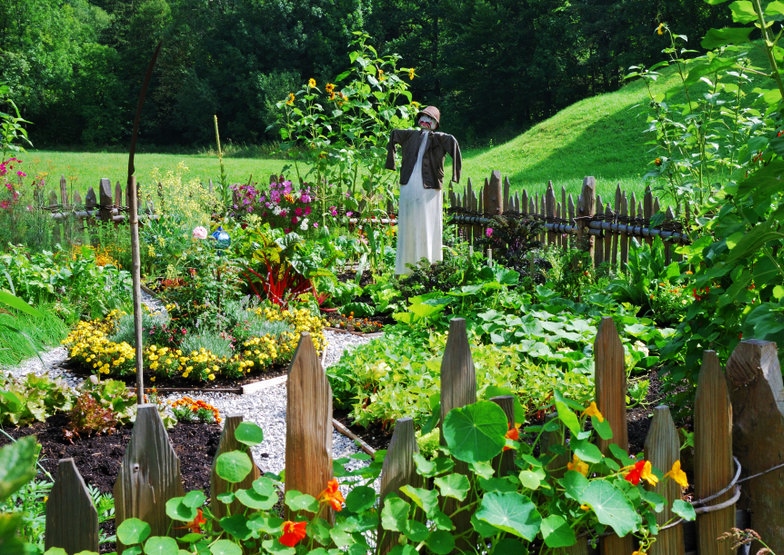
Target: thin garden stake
column 133, row 207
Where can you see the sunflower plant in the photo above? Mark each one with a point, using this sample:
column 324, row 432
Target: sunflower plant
column 540, row 501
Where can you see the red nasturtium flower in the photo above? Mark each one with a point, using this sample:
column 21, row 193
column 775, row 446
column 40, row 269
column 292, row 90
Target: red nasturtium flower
column 293, row 533
column 332, row 495
column 641, row 469
column 195, row 524
column 513, row 434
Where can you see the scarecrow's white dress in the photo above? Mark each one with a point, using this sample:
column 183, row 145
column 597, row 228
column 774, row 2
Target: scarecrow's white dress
column 420, row 220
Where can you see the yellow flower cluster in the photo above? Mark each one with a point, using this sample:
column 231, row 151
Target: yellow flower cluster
column 89, row 345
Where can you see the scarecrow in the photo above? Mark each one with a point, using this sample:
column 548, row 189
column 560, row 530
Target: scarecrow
column 420, row 213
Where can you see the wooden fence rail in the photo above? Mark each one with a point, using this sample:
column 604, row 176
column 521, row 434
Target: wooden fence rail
column 150, row 472
column 590, row 223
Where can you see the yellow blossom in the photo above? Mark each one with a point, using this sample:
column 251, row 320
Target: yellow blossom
column 411, row 74
column 290, row 101
column 311, row 83
column 660, row 29
column 678, row 475
column 329, row 88
column 648, row 475
column 593, row 410
column 577, row 465
column 639, row 553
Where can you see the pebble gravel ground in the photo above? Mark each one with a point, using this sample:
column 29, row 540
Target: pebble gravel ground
column 266, row 405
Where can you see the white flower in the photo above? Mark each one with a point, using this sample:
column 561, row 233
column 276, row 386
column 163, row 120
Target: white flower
column 304, row 225
column 200, row 232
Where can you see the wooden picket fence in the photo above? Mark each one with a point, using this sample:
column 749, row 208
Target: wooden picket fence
column 750, row 389
column 603, row 230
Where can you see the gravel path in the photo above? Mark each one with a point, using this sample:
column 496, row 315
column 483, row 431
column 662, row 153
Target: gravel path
column 266, row 406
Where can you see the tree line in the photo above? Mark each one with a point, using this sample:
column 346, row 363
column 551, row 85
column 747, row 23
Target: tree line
column 494, row 67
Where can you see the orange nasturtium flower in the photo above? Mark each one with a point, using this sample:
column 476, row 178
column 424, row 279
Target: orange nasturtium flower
column 577, row 465
column 513, row 434
column 195, row 524
column 678, row 475
column 593, row 410
column 641, row 469
column 332, row 495
column 293, row 533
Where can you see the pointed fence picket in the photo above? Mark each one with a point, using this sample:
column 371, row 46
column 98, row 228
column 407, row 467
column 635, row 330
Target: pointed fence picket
column 150, row 472
column 602, row 229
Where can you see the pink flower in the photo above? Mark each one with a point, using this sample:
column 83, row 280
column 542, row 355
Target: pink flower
column 489, row 231
column 333, row 210
column 200, row 232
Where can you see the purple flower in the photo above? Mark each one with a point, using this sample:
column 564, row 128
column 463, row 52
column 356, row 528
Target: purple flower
column 489, row 231
column 333, row 210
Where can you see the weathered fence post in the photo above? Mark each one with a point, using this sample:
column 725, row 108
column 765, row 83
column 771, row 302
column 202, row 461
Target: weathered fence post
column 586, row 209
column 458, row 389
column 71, row 519
column 610, row 376
column 398, row 470
column 308, row 422
column 106, row 203
column 757, row 394
column 662, row 448
column 149, row 474
column 713, row 468
column 217, row 484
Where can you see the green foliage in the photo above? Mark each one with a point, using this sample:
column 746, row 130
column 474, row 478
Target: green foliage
column 537, row 502
column 342, row 130
column 101, row 406
column 32, row 398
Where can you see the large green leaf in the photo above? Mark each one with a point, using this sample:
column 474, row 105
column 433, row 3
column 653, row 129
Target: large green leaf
column 511, row 512
column 17, row 465
column 16, row 303
column 611, row 507
column 715, row 38
column 476, row 432
column 233, row 466
column 249, row 433
column 557, row 532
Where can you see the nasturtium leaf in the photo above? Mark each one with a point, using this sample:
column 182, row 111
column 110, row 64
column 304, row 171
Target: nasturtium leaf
column 177, row 510
column 227, row 498
column 602, row 428
column 360, row 498
column 557, row 532
column 587, row 452
column 482, row 469
column 532, row 479
column 510, row 512
column 476, row 432
column 249, row 433
column 394, row 514
column 454, row 485
column 415, row 531
column 236, row 525
column 425, row 499
column 778, row 292
column 611, row 507
column 440, row 542
column 684, row 509
column 58, row 551
column 195, row 498
column 297, row 501
column 255, row 500
column 161, row 545
column 259, row 522
column 574, row 484
column 225, row 547
column 233, row 466
column 133, row 530
column 565, row 414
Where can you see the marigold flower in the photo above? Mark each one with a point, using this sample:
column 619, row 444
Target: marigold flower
column 677, row 474
column 293, row 533
column 311, row 83
column 577, row 465
column 332, row 495
column 593, row 410
column 329, row 88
